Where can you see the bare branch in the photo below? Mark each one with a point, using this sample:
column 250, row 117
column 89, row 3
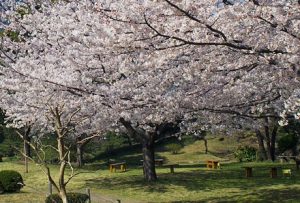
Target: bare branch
column 186, row 13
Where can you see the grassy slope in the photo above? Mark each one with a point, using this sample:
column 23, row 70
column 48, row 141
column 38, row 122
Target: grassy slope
column 190, row 183
column 195, row 153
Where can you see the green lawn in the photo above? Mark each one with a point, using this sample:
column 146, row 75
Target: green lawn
column 190, row 183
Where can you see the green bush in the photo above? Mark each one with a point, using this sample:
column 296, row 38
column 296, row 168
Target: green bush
column 112, row 142
column 287, row 142
column 245, row 153
column 72, row 198
column 173, row 147
column 11, row 181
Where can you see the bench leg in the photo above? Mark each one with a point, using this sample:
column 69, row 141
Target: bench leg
column 273, row 172
column 297, row 165
column 123, row 168
column 248, row 172
column 172, row 169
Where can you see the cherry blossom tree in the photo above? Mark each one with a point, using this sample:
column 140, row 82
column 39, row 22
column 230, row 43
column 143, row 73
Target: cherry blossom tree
column 47, row 111
column 244, row 56
column 151, row 64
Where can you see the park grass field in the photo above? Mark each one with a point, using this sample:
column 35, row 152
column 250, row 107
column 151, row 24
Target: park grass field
column 189, row 183
column 192, row 181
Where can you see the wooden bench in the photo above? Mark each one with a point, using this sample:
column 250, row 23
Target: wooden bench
column 158, row 162
column 248, row 171
column 272, row 171
column 212, row 164
column 114, row 166
column 287, row 158
column 171, row 166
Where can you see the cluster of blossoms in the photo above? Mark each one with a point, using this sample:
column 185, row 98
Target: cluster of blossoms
column 151, row 62
column 292, row 107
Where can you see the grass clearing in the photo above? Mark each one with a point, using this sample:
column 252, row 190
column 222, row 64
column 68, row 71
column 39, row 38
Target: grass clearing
column 190, row 183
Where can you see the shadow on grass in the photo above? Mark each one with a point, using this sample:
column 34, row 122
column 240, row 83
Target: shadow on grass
column 263, row 196
column 133, row 182
column 132, row 161
column 199, row 181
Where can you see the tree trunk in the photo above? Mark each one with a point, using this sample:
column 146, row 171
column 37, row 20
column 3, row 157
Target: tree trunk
column 129, row 140
column 27, row 148
column 147, row 141
column 79, row 154
column 25, row 159
column 273, row 142
column 62, row 186
column 61, row 178
column 149, row 160
column 268, row 139
column 262, row 150
column 63, row 196
column 205, row 145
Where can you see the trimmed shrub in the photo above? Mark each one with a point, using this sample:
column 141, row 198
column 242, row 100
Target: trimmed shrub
column 173, row 147
column 72, row 198
column 11, row 181
column 245, row 153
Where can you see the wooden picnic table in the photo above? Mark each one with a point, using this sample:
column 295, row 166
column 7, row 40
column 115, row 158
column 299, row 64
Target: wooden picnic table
column 114, row 166
column 212, row 164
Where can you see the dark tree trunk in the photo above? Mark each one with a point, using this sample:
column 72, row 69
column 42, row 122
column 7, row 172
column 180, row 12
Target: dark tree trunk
column 26, row 147
column 129, row 140
column 147, row 141
column 27, row 139
column 201, row 136
column 79, row 155
column 268, row 139
column 80, row 145
column 262, row 150
column 205, row 145
column 273, row 142
column 149, row 160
